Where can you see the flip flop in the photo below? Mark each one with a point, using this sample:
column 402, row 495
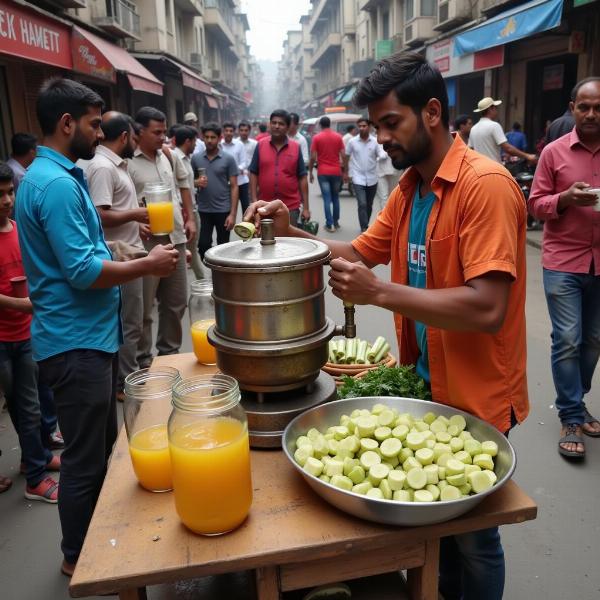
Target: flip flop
column 571, row 436
column 5, row 483
column 588, row 418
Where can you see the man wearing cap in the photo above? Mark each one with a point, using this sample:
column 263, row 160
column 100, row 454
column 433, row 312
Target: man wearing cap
column 487, row 136
column 191, row 120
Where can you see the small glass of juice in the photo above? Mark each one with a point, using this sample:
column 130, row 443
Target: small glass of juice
column 147, row 405
column 159, row 202
column 210, row 454
column 202, row 317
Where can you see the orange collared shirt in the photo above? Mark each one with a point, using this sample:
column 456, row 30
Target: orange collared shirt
column 477, row 225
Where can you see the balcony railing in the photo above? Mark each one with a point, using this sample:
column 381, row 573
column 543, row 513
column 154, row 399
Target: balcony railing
column 121, row 19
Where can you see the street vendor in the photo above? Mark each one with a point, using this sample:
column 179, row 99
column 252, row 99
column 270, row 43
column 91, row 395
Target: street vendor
column 454, row 231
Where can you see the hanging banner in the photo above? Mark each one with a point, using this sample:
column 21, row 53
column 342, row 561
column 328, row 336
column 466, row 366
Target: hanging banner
column 442, row 55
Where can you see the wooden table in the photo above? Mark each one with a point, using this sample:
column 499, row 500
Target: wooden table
column 292, row 538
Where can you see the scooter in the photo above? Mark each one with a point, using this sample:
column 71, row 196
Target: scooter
column 523, row 174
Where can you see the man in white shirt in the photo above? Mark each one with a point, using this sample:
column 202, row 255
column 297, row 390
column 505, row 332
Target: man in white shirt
column 362, row 154
column 294, row 134
column 237, row 150
column 249, row 145
column 185, row 141
column 351, row 131
column 113, row 194
column 487, row 136
column 191, row 120
column 387, row 175
column 24, row 147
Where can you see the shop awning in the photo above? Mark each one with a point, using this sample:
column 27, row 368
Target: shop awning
column 97, row 57
column 212, row 102
column 510, row 26
column 189, row 77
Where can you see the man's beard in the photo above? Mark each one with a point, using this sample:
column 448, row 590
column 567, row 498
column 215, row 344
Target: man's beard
column 81, row 147
column 128, row 151
column 418, row 150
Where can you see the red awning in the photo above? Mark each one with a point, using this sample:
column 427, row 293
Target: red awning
column 191, row 79
column 95, row 56
column 212, row 102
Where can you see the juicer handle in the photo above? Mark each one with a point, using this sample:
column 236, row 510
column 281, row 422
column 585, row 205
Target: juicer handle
column 267, row 233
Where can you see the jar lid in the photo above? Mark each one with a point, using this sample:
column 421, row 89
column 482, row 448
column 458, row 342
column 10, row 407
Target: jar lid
column 286, row 252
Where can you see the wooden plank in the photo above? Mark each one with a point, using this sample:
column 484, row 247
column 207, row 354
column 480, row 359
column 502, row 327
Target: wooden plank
column 353, row 565
column 267, row 583
column 423, row 580
column 136, row 539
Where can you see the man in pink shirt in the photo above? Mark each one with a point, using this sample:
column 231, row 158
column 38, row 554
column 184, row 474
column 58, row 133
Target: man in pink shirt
column 327, row 150
column 561, row 195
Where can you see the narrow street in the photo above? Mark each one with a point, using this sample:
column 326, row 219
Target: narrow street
column 552, row 558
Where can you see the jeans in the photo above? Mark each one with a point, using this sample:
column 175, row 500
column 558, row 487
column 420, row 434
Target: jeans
column 330, row 190
column 244, row 192
column 208, row 222
column 573, row 300
column 47, row 413
column 472, row 566
column 84, row 383
column 18, row 380
column 365, row 195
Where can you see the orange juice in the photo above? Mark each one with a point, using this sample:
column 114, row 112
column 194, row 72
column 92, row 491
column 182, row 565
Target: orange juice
column 210, row 459
column 149, row 451
column 205, row 353
column 160, row 215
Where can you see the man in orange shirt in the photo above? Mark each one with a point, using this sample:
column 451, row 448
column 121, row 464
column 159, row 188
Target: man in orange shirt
column 454, row 231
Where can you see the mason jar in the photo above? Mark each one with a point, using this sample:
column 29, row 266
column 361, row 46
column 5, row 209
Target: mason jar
column 147, row 405
column 159, row 202
column 210, row 454
column 202, row 316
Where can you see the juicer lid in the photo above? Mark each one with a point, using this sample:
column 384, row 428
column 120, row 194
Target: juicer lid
column 254, row 255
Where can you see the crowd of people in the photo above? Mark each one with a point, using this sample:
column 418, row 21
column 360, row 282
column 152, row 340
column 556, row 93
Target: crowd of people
column 453, row 229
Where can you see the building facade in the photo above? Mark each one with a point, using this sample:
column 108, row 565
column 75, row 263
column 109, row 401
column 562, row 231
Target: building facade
column 529, row 54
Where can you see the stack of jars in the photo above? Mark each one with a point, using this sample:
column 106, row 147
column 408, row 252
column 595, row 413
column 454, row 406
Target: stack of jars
column 201, row 450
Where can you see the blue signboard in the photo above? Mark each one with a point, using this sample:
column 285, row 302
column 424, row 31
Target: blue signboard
column 515, row 24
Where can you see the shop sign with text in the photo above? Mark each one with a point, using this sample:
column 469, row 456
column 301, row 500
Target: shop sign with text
column 27, row 34
column 442, row 55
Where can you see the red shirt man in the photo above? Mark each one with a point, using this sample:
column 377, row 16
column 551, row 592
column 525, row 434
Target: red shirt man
column 328, row 149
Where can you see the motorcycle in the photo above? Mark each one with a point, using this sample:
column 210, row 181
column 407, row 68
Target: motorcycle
column 523, row 173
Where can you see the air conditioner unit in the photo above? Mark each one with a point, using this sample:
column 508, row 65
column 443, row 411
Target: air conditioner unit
column 452, row 13
column 215, row 74
column 197, row 60
column 418, row 30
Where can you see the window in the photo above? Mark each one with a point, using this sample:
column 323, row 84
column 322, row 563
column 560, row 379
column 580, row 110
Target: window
column 386, row 25
column 409, row 10
column 428, row 8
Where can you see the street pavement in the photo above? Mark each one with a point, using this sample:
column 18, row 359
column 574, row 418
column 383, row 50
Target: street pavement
column 552, row 558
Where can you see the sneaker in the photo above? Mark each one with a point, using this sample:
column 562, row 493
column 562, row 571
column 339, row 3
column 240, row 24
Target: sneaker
column 53, row 465
column 55, row 441
column 45, row 491
column 331, row 229
column 67, row 568
column 337, row 225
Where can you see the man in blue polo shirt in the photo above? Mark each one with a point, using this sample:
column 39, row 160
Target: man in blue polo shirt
column 73, row 286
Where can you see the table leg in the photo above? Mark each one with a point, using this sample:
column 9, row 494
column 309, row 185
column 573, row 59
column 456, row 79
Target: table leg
column 133, row 594
column 423, row 581
column 267, row 583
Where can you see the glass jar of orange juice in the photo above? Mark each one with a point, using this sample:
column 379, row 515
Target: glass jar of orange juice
column 146, row 408
column 159, row 202
column 210, row 454
column 202, row 316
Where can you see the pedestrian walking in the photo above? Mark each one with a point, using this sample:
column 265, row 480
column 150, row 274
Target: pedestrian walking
column 185, row 143
column 517, row 138
column 327, row 151
column 294, row 134
column 191, row 120
column 217, row 194
column 18, row 371
column 487, row 136
column 560, row 126
column 387, row 177
column 249, row 146
column 113, row 193
column 150, row 164
column 278, row 171
column 262, row 132
column 23, row 146
column 463, row 125
column 458, row 295
column 562, row 195
column 235, row 148
column 73, row 285
column 351, row 131
column 361, row 158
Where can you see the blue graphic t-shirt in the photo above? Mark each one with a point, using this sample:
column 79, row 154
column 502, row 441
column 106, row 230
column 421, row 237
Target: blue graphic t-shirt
column 417, row 267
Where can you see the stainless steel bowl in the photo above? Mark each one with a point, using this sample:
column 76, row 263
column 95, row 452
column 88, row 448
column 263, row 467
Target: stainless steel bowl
column 389, row 511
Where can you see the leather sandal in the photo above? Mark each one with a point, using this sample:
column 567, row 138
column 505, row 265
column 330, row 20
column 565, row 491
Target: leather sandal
column 588, row 418
column 5, row 483
column 573, row 437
